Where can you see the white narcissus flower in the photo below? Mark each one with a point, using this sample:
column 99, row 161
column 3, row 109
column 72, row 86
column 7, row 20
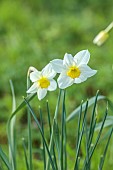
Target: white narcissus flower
column 42, row 81
column 73, row 69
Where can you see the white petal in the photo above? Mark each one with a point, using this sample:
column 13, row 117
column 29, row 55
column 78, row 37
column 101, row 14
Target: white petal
column 86, row 71
column 33, row 88
column 57, row 65
column 82, row 57
column 68, row 60
column 48, row 71
column 41, row 93
column 64, row 81
column 35, row 75
column 53, row 85
column 80, row 79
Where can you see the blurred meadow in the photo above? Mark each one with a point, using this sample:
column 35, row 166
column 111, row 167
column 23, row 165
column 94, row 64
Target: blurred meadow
column 34, row 32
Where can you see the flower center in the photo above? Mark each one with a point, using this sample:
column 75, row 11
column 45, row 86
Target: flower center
column 73, row 72
column 43, row 82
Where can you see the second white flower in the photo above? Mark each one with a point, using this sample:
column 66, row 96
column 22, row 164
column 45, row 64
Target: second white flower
column 42, row 81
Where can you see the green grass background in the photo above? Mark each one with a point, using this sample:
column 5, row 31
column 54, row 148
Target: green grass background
column 33, row 32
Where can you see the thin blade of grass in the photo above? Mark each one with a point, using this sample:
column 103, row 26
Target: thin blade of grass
column 42, row 125
column 49, row 119
column 29, row 141
column 105, row 151
column 11, row 132
column 56, row 138
column 52, row 135
column 87, row 141
column 65, row 140
column 29, row 129
column 77, row 110
column 79, row 122
column 98, row 137
column 63, row 132
column 78, row 133
column 108, row 122
column 41, row 132
column 80, row 138
column 92, row 125
column 50, row 130
column 22, row 104
column 105, row 136
column 5, row 159
column 54, row 156
column 25, row 154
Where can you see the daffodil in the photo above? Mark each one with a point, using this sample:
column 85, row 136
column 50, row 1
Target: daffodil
column 73, row 69
column 42, row 81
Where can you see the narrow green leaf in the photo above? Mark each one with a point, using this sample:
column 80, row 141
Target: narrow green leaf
column 65, row 139
column 11, row 132
column 49, row 119
column 87, row 141
column 97, row 140
column 25, row 154
column 52, row 135
column 105, row 136
column 77, row 110
column 5, row 159
column 92, row 123
column 56, row 137
column 41, row 132
column 79, row 122
column 50, row 130
column 62, row 131
column 105, row 151
column 107, row 123
column 29, row 128
column 80, row 138
column 29, row 140
column 22, row 104
column 42, row 125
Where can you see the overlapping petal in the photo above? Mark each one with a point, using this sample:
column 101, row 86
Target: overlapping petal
column 64, row 81
column 86, row 71
column 53, row 85
column 33, row 88
column 68, row 60
column 80, row 79
column 82, row 57
column 41, row 93
column 35, row 75
column 48, row 71
column 57, row 65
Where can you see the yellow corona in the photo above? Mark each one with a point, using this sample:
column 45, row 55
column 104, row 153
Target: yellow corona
column 73, row 72
column 43, row 82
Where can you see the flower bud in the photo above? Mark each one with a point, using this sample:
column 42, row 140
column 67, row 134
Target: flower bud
column 103, row 35
column 101, row 38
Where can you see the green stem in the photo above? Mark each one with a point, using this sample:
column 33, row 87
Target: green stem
column 80, row 138
column 55, row 118
column 41, row 132
column 29, row 129
column 44, row 154
column 25, row 154
column 11, row 132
